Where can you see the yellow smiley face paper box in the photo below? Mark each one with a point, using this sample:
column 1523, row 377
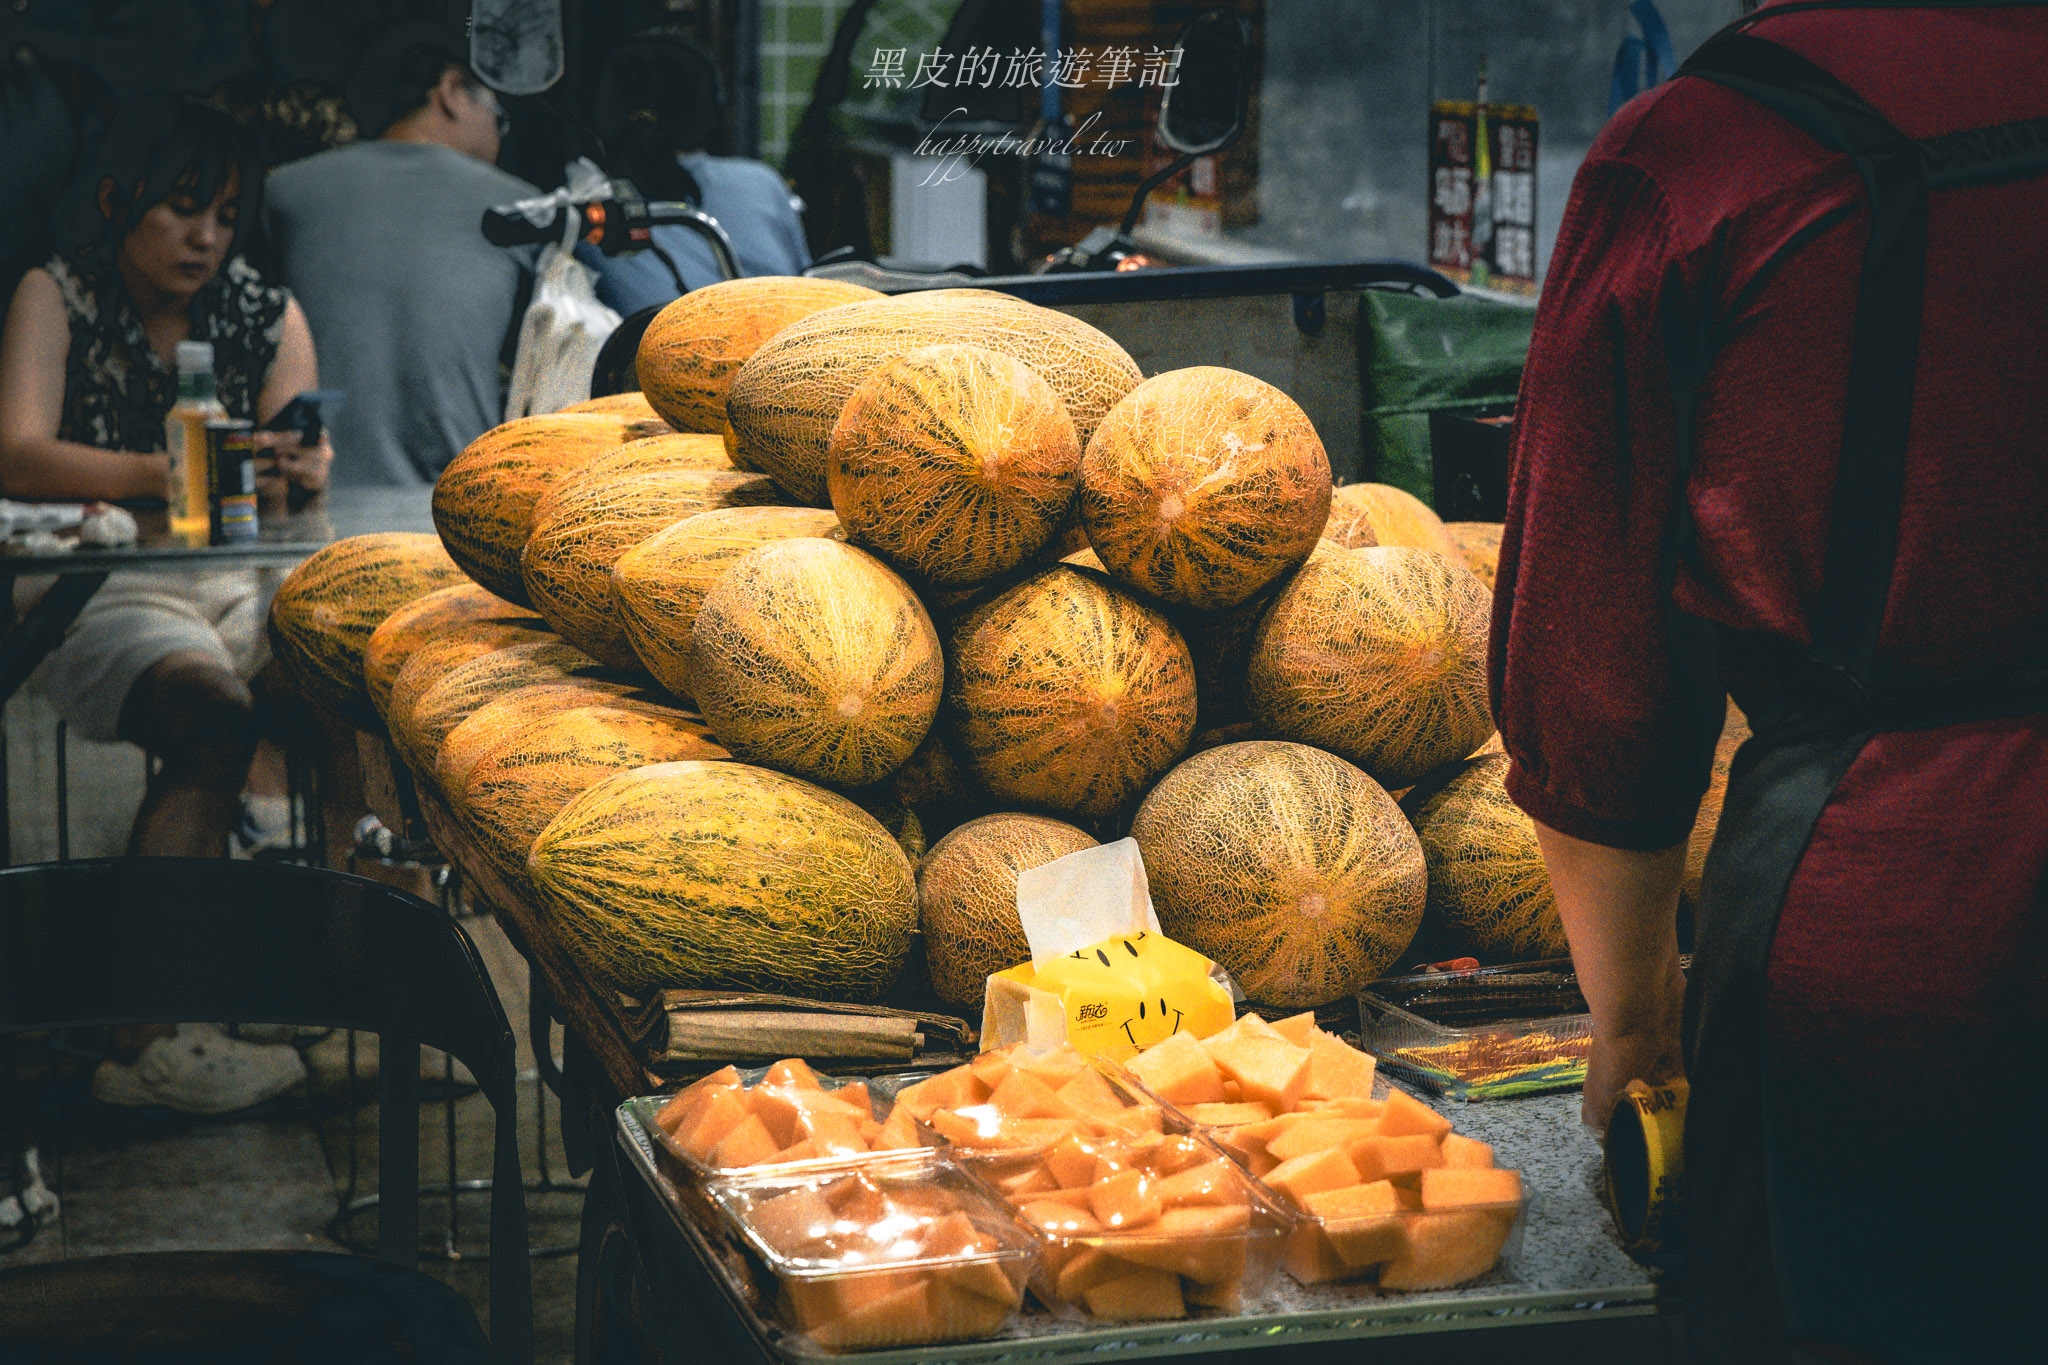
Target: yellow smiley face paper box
column 1101, row 976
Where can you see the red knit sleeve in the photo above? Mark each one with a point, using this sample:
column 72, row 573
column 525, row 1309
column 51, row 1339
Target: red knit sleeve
column 1581, row 657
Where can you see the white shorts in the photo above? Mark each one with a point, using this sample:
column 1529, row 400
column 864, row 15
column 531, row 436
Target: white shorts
column 141, row 617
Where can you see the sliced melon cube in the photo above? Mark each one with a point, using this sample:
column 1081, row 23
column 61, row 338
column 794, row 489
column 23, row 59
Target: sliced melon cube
column 856, row 1200
column 1337, row 1069
column 831, row 1133
column 959, row 1313
column 1076, row 1198
column 1204, row 1244
column 749, row 1142
column 686, row 1100
column 1228, row 1115
column 1316, row 1134
column 806, row 1150
column 1466, row 1154
column 1072, row 1162
column 1082, row 1271
column 1362, row 1223
column 902, row 1316
column 1385, row 1158
column 793, row 1072
column 778, row 1108
column 897, row 1132
column 1140, row 1119
column 1444, row 1249
column 717, row 1114
column 1216, row 1182
column 1243, row 1027
column 1127, row 1199
column 955, row 1089
column 1405, row 1114
column 1023, row 1096
column 1179, row 1070
column 1227, row 1295
column 1031, row 1133
column 1054, row 1066
column 1033, row 1180
column 975, row 1125
column 1087, row 1092
column 1137, row 1296
column 1059, row 1220
column 1177, row 1154
column 1345, row 1107
column 1450, row 1189
column 1269, row 1069
column 1267, row 1129
column 793, row 1220
column 818, row 1301
column 977, row 1272
column 1297, row 1028
column 1233, row 1093
column 993, row 1068
column 1307, row 1255
column 1328, row 1169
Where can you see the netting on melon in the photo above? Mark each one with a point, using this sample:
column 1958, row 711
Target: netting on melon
column 483, row 729
column 1069, row 694
column 1367, row 514
column 1489, row 891
column 427, row 619
column 660, row 584
column 1478, row 545
column 631, row 406
column 1378, row 655
column 967, row 898
column 693, row 347
column 724, row 875
column 449, row 700
column 813, row 657
column 431, row 660
column 1286, row 864
column 1203, row 485
column 595, row 515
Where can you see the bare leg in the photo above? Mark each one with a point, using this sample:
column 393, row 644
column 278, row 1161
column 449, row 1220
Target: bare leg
column 199, row 718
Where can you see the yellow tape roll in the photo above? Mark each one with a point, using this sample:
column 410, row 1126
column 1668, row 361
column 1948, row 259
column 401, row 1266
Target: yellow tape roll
column 1646, row 1168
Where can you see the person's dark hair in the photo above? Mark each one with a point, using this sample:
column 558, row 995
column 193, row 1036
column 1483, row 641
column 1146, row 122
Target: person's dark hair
column 398, row 73
column 159, row 147
column 657, row 95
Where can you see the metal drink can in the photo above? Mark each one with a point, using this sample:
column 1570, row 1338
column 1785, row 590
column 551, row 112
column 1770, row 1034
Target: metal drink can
column 231, row 450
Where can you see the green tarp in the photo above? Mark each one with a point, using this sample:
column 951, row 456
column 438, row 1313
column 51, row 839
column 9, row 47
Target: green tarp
column 1423, row 355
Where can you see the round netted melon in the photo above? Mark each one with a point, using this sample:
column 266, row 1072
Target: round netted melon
column 429, row 661
column 967, row 898
column 1068, row 693
column 427, row 619
column 1286, row 864
column 487, row 727
column 693, row 347
column 1203, row 486
column 786, row 398
column 538, row 765
column 813, row 657
column 484, row 499
column 1489, row 891
column 659, row 584
column 1378, row 655
column 1734, row 731
column 631, row 406
column 1367, row 514
column 593, row 516
column 672, row 450
column 1478, row 545
column 726, row 876
column 325, row 611
column 450, row 699
column 956, row 462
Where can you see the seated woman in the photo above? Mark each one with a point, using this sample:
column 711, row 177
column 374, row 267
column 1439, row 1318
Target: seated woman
column 147, row 256
column 657, row 107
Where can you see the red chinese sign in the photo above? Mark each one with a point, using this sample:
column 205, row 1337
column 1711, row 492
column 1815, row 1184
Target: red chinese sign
column 1482, row 194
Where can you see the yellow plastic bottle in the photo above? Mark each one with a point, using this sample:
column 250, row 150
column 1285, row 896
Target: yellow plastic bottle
column 190, row 486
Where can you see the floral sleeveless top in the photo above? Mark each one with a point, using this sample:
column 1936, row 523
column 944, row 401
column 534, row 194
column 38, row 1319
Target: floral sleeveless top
column 117, row 392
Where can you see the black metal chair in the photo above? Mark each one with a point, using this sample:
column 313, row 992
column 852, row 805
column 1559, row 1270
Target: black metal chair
column 146, row 940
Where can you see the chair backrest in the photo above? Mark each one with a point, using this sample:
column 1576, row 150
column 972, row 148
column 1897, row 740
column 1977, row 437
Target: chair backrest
column 165, row 940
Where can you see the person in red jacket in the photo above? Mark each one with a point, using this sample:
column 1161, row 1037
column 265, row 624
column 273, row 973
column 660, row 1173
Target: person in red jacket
column 1784, row 434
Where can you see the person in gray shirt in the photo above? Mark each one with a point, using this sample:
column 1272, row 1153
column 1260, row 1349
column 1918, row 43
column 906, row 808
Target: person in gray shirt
column 380, row 242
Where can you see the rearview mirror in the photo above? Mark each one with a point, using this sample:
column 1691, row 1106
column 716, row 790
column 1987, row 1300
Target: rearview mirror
column 515, row 46
column 1204, row 110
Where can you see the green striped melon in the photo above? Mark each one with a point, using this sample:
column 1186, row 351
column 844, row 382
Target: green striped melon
column 425, row 620
column 726, row 876
column 1203, row 486
column 1378, row 655
column 813, row 657
column 787, row 397
column 431, row 660
column 955, row 462
column 450, row 699
column 1068, row 693
column 1287, row 865
column 659, row 585
column 967, row 898
column 325, row 611
column 692, row 349
column 1489, row 891
column 483, row 729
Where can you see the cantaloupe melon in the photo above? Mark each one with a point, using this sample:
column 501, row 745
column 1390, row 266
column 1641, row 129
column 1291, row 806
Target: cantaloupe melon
column 448, row 701
column 692, row 349
column 813, row 657
column 631, row 406
column 1367, row 514
column 431, row 660
column 660, row 583
column 326, row 609
column 1203, row 486
column 485, row 728
column 1734, row 731
column 786, row 398
column 724, row 875
column 1478, row 545
column 1489, row 891
column 484, row 499
column 523, row 780
column 1378, row 655
column 1286, row 864
column 967, row 898
column 1068, row 693
column 426, row 619
column 595, row 514
column 955, row 462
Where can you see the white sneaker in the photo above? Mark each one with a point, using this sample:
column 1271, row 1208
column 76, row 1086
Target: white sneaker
column 200, row 1071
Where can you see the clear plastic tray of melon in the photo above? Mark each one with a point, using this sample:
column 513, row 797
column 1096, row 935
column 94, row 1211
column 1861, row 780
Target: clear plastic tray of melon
column 1015, row 1099
column 776, row 1116
column 905, row 1249
column 1140, row 1227
column 1253, row 1071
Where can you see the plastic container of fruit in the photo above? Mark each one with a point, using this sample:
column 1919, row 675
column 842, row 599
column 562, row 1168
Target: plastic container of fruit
column 893, row 1250
column 1449, row 1228
column 1014, row 1100
column 1142, row 1227
column 1481, row 1033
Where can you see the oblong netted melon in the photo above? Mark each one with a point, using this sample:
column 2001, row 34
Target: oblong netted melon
column 429, row 661
column 631, row 406
column 1368, row 514
column 786, row 398
column 967, row 898
column 597, row 513
column 813, row 657
column 956, row 462
column 1478, row 545
column 1378, row 655
column 692, row 349
column 448, row 700
column 483, row 729
column 1068, row 693
column 660, row 583
column 1286, row 864
column 427, row 619
column 1489, row 891
column 726, row 876
column 541, row 763
column 325, row 611
column 1203, row 486
column 484, row 499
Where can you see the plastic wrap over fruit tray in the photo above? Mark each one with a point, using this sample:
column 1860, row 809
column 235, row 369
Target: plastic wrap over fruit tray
column 1483, row 1033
